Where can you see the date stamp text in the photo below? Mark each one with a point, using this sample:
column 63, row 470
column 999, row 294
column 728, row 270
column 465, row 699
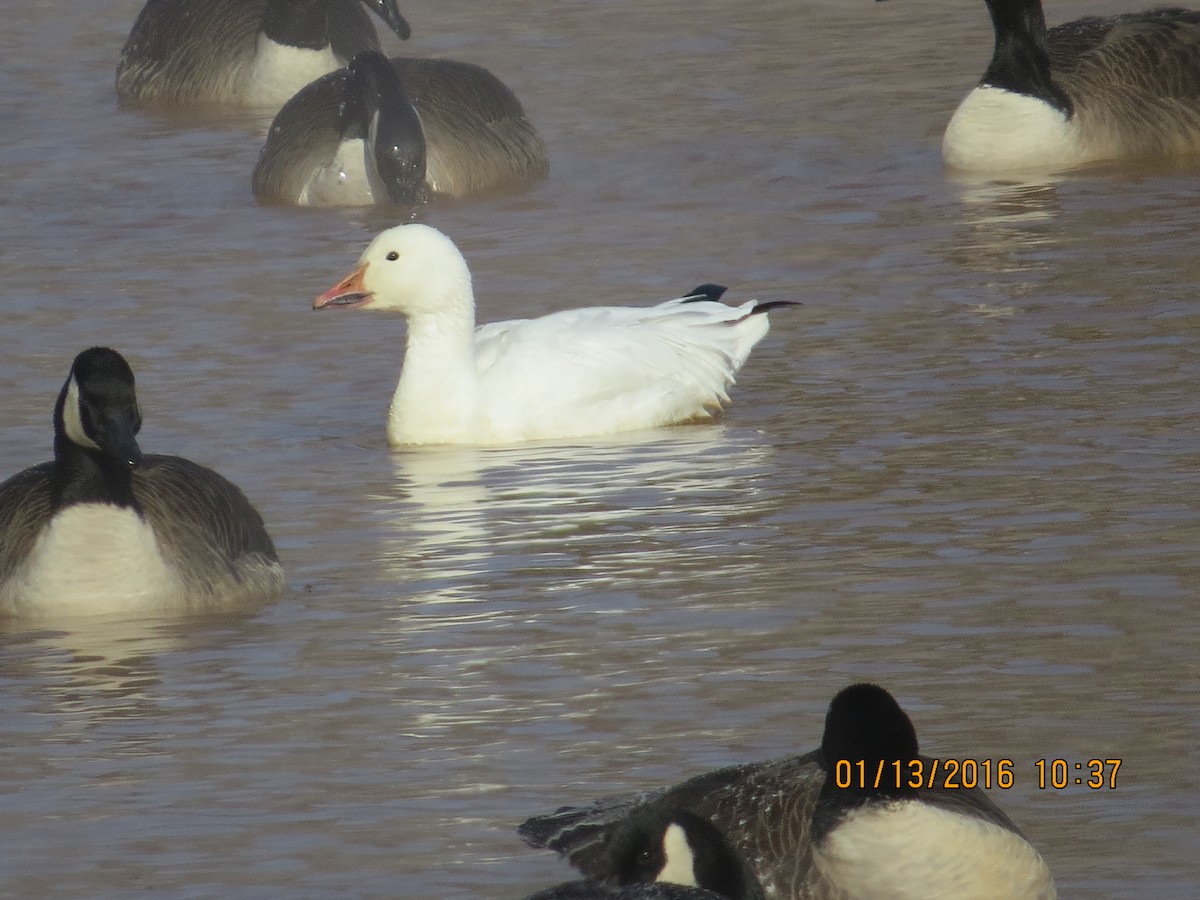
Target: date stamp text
column 966, row 774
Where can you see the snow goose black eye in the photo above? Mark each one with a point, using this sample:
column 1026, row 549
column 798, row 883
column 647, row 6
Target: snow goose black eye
column 393, row 255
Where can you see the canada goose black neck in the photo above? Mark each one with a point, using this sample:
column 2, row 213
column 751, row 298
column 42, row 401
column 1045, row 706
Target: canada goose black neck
column 864, row 724
column 1020, row 61
column 306, row 24
column 297, row 23
column 96, row 421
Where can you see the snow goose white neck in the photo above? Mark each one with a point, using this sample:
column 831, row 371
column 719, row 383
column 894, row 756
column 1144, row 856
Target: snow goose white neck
column 576, row 373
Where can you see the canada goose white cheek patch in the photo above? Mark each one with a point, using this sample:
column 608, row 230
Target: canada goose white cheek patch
column 72, row 421
column 680, row 867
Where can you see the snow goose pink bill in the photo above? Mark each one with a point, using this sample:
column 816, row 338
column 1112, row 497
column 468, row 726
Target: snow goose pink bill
column 575, row 373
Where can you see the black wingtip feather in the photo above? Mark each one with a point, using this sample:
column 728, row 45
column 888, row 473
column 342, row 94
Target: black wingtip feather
column 768, row 305
column 711, row 292
column 706, row 291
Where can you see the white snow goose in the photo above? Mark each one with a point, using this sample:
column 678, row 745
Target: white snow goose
column 576, row 373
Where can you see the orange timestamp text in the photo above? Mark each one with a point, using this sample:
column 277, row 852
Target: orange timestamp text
column 966, row 774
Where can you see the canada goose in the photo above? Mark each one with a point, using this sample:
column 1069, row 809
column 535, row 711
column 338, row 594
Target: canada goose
column 806, row 839
column 102, row 528
column 580, row 372
column 245, row 52
column 402, row 131
column 665, row 854
column 1111, row 88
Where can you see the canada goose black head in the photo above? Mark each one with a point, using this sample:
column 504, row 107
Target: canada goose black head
column 390, row 13
column 96, row 421
column 663, row 853
column 864, row 722
column 865, row 728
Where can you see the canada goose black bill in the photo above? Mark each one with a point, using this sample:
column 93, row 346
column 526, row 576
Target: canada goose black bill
column 103, row 527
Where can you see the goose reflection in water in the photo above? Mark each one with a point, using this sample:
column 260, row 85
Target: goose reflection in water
column 472, row 504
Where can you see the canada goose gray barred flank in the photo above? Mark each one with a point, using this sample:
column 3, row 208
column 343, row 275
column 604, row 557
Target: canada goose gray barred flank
column 575, row 373
column 104, row 528
column 1100, row 88
column 807, row 839
column 664, row 854
column 399, row 131
column 243, row 52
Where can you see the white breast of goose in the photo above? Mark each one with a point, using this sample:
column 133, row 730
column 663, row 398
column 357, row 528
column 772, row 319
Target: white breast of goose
column 279, row 71
column 96, row 558
column 346, row 180
column 994, row 128
column 909, row 850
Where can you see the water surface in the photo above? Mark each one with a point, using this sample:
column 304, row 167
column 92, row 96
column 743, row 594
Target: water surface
column 965, row 468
